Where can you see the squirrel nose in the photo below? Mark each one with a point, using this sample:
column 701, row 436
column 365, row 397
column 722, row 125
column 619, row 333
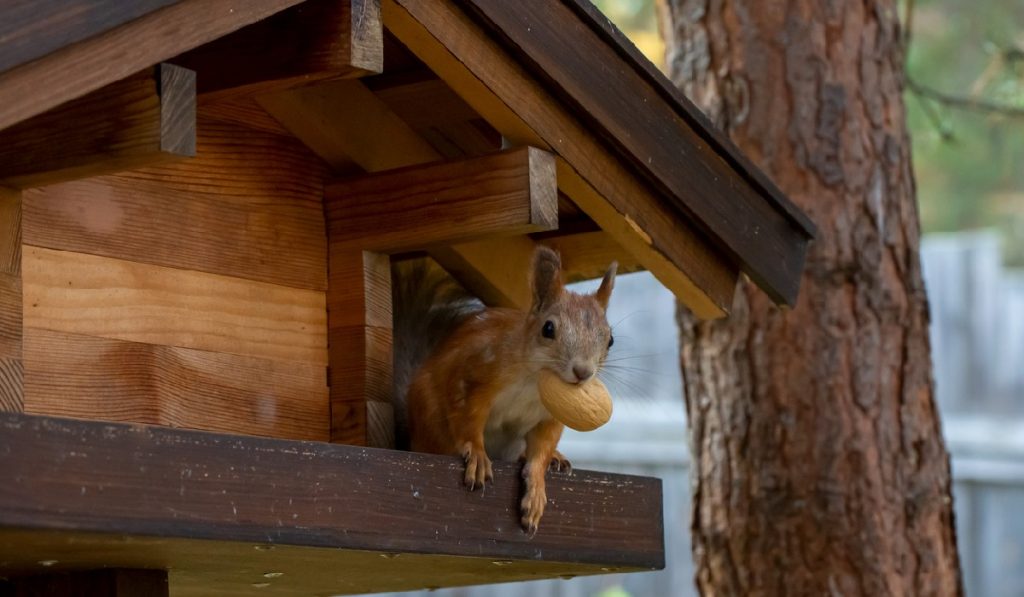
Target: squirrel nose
column 582, row 372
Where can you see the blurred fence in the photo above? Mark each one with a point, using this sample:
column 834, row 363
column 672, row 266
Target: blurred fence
column 977, row 310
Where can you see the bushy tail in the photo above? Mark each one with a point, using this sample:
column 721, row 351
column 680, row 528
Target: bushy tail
column 427, row 305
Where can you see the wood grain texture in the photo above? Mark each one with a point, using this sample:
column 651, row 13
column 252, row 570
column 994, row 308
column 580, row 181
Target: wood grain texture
column 10, row 231
column 507, row 193
column 94, row 583
column 86, row 377
column 10, row 301
column 144, row 119
column 103, row 57
column 361, row 371
column 618, row 102
column 310, row 42
column 32, row 29
column 248, row 205
column 359, row 290
column 11, row 385
column 500, row 89
column 141, row 480
column 495, row 271
column 244, row 111
column 587, row 255
column 348, row 126
column 437, row 114
column 10, row 316
column 111, row 298
column 359, row 320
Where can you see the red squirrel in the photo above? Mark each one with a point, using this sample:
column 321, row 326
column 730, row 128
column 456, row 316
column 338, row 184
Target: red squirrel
column 475, row 395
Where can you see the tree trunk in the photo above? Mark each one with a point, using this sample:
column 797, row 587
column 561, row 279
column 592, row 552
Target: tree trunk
column 818, row 461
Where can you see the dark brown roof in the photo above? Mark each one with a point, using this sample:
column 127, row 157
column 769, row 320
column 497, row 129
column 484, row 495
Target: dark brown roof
column 591, row 66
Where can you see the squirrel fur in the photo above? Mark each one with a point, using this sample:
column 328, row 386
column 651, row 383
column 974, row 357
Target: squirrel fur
column 466, row 375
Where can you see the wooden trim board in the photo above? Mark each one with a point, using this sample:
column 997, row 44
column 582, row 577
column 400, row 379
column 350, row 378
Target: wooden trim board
column 137, row 481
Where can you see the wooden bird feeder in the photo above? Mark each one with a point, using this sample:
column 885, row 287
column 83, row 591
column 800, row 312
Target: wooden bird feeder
column 199, row 204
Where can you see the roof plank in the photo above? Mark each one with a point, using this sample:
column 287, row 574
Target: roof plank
column 106, row 54
column 633, row 117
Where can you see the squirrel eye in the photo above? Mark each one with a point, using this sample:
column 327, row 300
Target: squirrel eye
column 548, row 331
column 611, row 340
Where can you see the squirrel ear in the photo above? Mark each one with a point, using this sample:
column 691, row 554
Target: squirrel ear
column 547, row 278
column 607, row 284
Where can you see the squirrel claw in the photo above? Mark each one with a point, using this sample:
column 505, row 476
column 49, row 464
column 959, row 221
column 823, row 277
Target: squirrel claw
column 532, row 508
column 478, row 467
column 560, row 463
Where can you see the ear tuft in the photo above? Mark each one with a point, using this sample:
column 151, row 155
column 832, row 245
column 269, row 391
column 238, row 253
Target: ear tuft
column 607, row 284
column 547, row 278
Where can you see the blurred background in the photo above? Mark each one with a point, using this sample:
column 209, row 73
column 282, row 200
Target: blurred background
column 965, row 99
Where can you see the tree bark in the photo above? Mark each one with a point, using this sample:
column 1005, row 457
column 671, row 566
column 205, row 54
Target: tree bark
column 818, row 463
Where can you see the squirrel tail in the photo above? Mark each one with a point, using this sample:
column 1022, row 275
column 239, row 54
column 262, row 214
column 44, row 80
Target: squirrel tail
column 428, row 304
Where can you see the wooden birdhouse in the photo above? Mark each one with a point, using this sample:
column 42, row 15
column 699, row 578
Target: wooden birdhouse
column 199, row 204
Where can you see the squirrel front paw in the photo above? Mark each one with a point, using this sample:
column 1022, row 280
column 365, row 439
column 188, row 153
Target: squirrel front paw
column 532, row 507
column 478, row 466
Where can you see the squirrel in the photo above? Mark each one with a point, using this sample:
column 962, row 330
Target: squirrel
column 474, row 392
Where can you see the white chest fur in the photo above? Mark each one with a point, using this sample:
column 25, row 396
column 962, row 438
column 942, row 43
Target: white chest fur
column 516, row 410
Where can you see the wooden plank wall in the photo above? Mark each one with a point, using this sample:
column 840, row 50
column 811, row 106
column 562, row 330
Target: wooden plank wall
column 190, row 294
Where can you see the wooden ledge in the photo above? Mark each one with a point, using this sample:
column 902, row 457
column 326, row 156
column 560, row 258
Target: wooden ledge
column 221, row 511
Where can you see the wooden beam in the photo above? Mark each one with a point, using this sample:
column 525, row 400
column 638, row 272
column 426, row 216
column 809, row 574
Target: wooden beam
column 508, row 193
column 107, row 44
column 116, row 582
column 310, row 42
column 147, row 118
column 495, row 271
column 498, row 88
column 351, row 128
column 133, row 481
column 123, row 300
column 587, row 255
column 345, row 124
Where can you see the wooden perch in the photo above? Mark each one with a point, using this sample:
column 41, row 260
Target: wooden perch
column 313, row 41
column 145, row 119
column 508, row 193
column 221, row 511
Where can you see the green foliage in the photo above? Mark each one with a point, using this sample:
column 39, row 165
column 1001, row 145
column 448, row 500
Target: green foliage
column 969, row 163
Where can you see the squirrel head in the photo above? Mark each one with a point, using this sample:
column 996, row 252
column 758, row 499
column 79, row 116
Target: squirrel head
column 570, row 334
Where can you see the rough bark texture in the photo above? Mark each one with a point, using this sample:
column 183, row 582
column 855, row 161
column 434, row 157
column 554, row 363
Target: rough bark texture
column 818, row 462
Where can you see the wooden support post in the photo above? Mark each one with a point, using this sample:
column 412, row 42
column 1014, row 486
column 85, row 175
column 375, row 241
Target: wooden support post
column 145, row 119
column 115, row 582
column 359, row 347
column 11, row 386
column 313, row 41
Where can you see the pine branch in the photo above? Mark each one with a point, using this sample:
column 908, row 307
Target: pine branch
column 963, row 103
